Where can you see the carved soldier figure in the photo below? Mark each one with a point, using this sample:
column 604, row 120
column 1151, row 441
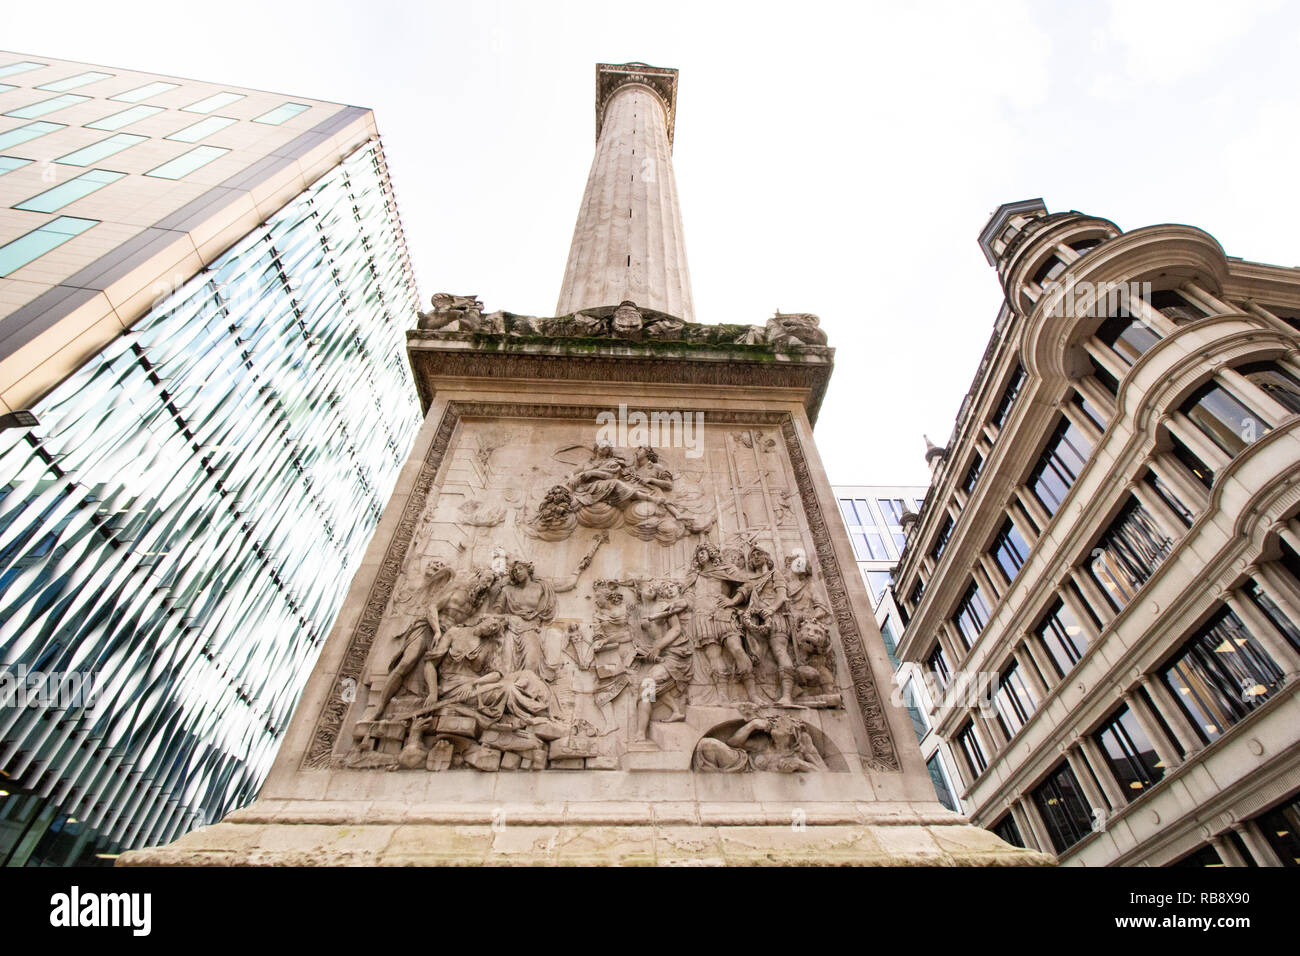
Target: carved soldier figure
column 717, row 628
column 669, row 659
column 764, row 597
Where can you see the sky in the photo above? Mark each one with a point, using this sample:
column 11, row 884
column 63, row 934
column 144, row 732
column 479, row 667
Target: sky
column 838, row 159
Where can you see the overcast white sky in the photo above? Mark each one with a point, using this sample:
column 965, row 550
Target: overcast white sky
column 830, row 158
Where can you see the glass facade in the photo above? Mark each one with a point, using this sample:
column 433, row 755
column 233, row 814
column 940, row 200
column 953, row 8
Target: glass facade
column 1064, row 809
column 181, row 526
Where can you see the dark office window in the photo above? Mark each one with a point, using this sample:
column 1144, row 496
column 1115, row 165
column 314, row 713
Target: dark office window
column 1089, row 410
column 940, row 781
column 972, row 614
column 1127, row 554
column 937, row 662
column 970, row 747
column 1063, row 637
column 1281, row 827
column 941, row 538
column 1006, row 829
column 1175, row 307
column 1014, row 700
column 1169, row 497
column 1103, row 376
column 1008, row 397
column 1224, row 420
column 973, row 474
column 918, row 590
column 1277, row 381
column 1065, row 811
column 1206, row 856
column 1051, row 269
column 1221, row 675
column 1276, row 616
column 1059, row 465
column 1010, row 550
column 1199, row 469
column 1129, row 752
column 1127, row 337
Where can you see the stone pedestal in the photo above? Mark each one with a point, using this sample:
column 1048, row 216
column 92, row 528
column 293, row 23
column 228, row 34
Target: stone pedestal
column 610, row 616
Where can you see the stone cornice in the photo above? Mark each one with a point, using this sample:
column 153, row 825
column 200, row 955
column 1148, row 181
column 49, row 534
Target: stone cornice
column 440, row 355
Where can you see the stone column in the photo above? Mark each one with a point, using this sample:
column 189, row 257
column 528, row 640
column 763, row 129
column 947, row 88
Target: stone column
column 628, row 242
column 1255, row 842
column 1263, row 631
column 1078, row 762
column 1164, row 748
column 1227, row 852
column 1173, row 715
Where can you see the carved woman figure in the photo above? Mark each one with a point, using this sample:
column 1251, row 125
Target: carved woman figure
column 783, row 745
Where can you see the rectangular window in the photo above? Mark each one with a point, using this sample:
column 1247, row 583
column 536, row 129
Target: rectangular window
column 22, row 134
column 72, row 82
column 1059, row 465
column 1223, row 419
column 1088, row 409
column 71, row 191
column 144, row 92
column 1014, row 700
column 1103, row 376
column 1167, row 495
column 939, row 777
column 1276, row 616
column 214, row 102
column 97, row 151
column 915, row 711
column 1129, row 752
column 1009, row 550
column 1063, row 637
column 972, row 614
column 125, row 117
column 891, row 641
column 970, row 748
column 186, row 163
column 941, row 538
column 1199, row 469
column 1008, row 397
column 1064, row 810
column 877, row 581
column 937, row 662
column 972, row 474
column 285, row 111
column 1277, row 382
column 1127, row 554
column 47, row 106
column 36, row 243
column 9, row 163
column 1221, row 675
column 202, row 129
column 11, row 69
column 1281, row 827
column 1006, row 829
column 1127, row 337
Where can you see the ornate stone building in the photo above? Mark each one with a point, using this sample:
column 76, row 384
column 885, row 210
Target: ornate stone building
column 610, row 614
column 1103, row 585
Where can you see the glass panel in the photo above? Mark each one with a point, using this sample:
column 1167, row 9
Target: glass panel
column 97, row 151
column 939, row 777
column 1010, row 550
column 1008, row 397
column 144, row 92
column 204, row 127
column 72, row 190
column 1126, row 556
column 281, row 113
column 877, row 581
column 1006, row 829
column 72, row 82
column 22, row 134
column 47, row 106
column 10, row 163
column 186, row 163
column 914, row 711
column 1224, row 420
column 1129, row 338
column 1059, row 465
column 971, row 750
column 1281, row 828
column 1129, row 752
column 12, row 69
column 214, row 102
column 1014, row 700
column 125, row 118
column 938, row 665
column 972, row 614
column 1279, row 383
column 1063, row 637
column 1276, row 616
column 1064, row 809
column 36, row 243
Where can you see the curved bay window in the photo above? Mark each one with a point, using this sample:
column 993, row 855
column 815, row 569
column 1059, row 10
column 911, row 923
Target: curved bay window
column 1127, row 336
column 972, row 614
column 1065, row 811
column 1277, row 382
column 1127, row 554
column 1130, row 754
column 1059, row 465
column 1221, row 675
column 1223, row 418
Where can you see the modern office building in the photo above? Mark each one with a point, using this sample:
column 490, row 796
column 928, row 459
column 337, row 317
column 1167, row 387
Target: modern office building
column 1103, row 585
column 875, row 517
column 203, row 294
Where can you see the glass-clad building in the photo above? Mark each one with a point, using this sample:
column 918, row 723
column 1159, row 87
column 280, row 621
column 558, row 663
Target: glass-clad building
column 180, row 518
